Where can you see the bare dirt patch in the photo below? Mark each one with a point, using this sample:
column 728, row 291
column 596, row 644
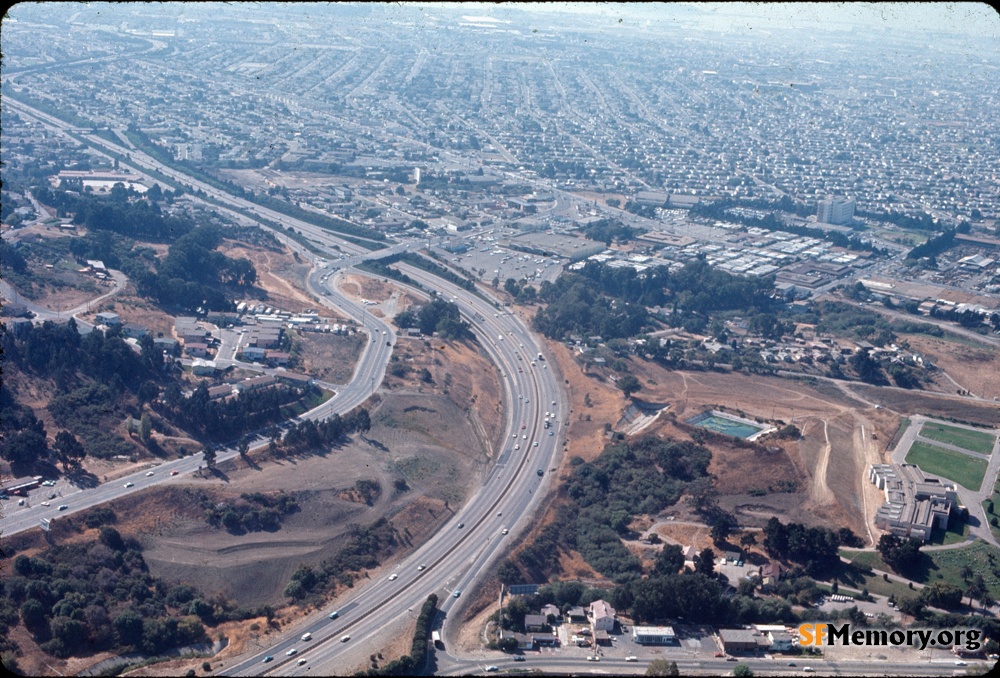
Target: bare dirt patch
column 328, row 357
column 279, row 274
column 976, row 369
column 358, row 286
column 459, row 370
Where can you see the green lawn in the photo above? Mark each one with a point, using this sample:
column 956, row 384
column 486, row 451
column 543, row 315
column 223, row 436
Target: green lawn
column 965, row 470
column 974, row 441
column 943, row 566
column 953, row 535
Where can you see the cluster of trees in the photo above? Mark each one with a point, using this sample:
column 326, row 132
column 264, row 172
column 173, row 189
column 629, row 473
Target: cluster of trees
column 255, row 513
column 611, row 230
column 813, row 547
column 438, row 316
column 194, row 275
column 933, row 246
column 82, row 598
column 575, row 307
column 94, row 375
column 412, row 664
column 365, row 549
column 902, row 554
column 221, row 420
column 309, row 434
column 641, row 477
column 121, row 211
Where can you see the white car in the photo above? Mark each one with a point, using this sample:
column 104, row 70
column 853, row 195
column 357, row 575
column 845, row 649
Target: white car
column 503, row 531
column 291, row 652
column 517, row 447
column 420, row 568
column 301, row 661
column 392, row 577
column 534, row 444
column 129, row 484
column 149, row 473
column 344, row 639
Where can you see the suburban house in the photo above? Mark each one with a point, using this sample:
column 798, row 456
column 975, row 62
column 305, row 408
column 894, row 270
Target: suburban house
column 134, row 331
column 602, row 616
column 196, row 350
column 252, row 353
column 781, row 641
column 577, row 615
column 108, row 318
column 550, row 610
column 277, row 357
column 534, row 622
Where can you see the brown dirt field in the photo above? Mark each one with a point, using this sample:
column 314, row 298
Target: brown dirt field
column 279, row 274
column 976, row 369
column 462, row 371
column 328, row 357
column 831, row 482
column 907, row 402
column 584, row 438
column 358, row 286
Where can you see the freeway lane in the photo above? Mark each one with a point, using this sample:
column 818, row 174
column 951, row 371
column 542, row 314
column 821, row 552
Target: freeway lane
column 457, row 556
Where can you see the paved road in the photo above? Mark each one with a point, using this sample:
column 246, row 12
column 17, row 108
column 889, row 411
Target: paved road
column 457, row 556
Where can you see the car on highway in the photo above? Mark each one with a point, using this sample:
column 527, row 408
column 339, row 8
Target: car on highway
column 48, row 483
column 268, row 658
column 551, row 433
column 504, row 531
column 593, row 658
column 420, row 568
column 307, row 636
column 492, row 669
column 334, row 614
column 523, row 426
column 130, row 484
column 45, row 503
column 461, row 525
column 959, row 662
column 173, row 473
column 63, row 507
column 631, row 658
column 291, row 652
column 517, row 447
column 301, row 661
column 534, row 444
column 149, row 473
column 808, row 669
column 344, row 639
column 731, row 659
column 524, row 436
column 392, row 577
column 456, row 594
column 541, row 472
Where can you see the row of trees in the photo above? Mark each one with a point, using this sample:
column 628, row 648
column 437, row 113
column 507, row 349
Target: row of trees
column 309, row 434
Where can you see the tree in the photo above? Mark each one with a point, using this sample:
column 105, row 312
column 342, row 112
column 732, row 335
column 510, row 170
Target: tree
column 128, row 625
column 144, row 427
column 669, row 560
column 629, row 385
column 742, row 670
column 662, row 667
column 704, row 562
column 748, row 539
column 243, row 447
column 68, row 448
column 210, row 456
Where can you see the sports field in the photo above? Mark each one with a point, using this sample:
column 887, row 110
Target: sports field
column 965, row 470
column 974, row 441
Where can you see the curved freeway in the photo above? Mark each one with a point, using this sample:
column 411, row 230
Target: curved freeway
column 456, row 556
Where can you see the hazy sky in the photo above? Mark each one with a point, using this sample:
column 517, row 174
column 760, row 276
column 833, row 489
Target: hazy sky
column 972, row 18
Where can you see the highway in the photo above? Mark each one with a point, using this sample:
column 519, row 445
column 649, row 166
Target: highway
column 456, row 556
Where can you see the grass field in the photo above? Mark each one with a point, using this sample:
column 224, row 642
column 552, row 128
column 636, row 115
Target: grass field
column 943, row 566
column 974, row 441
column 965, row 470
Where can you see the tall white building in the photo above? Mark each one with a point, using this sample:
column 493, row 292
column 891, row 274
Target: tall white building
column 835, row 210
